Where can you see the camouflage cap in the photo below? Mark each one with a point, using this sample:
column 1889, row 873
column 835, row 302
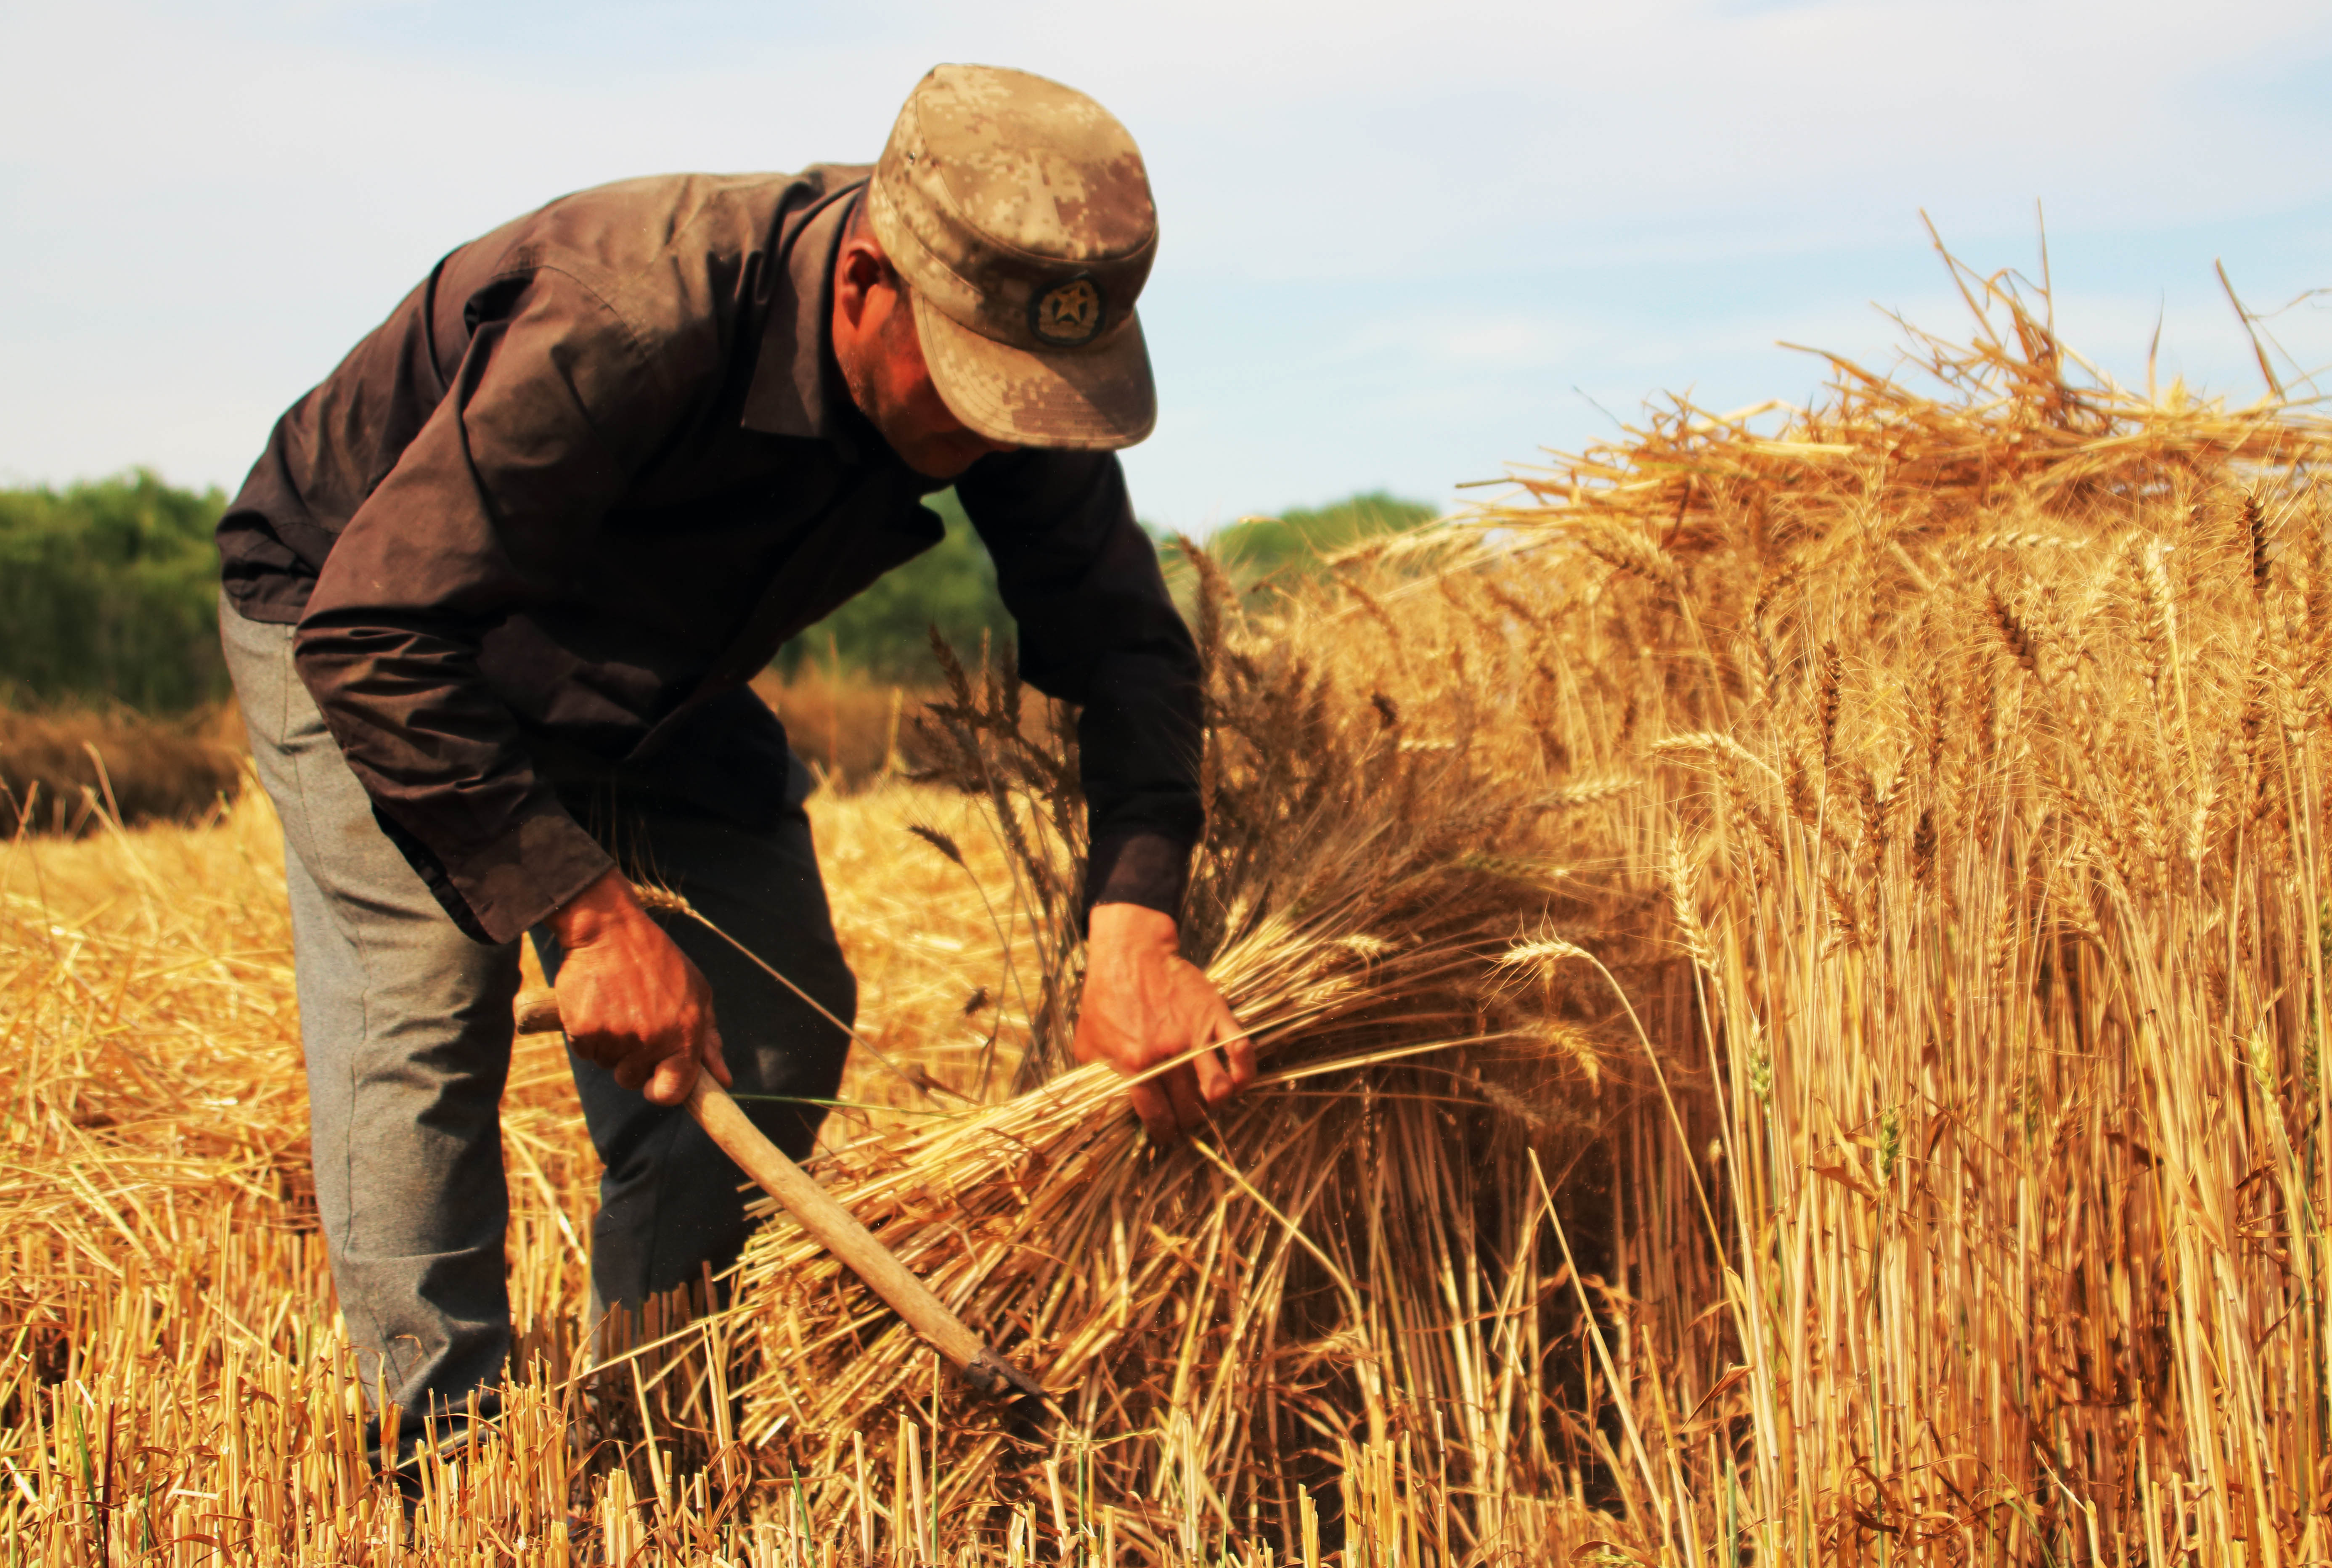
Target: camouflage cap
column 1018, row 213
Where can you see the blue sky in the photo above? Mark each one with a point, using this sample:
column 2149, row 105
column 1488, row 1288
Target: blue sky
column 1403, row 245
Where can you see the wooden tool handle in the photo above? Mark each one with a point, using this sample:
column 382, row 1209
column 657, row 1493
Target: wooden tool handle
column 828, row 1221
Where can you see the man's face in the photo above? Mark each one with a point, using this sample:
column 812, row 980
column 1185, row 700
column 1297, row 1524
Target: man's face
column 882, row 361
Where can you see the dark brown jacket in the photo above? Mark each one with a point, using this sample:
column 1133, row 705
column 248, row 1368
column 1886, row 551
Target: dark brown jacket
column 543, row 525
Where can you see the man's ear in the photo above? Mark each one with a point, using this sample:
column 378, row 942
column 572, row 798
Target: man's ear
column 860, row 268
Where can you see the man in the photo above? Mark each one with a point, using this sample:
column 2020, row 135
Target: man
column 491, row 599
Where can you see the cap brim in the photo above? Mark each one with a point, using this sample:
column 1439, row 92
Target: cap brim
column 1092, row 399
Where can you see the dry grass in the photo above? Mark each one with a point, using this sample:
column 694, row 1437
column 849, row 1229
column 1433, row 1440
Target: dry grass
column 1789, row 957
column 176, row 1388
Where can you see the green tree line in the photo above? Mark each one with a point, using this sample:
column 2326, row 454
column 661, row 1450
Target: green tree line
column 108, row 595
column 1281, row 550
column 885, row 632
column 108, row 591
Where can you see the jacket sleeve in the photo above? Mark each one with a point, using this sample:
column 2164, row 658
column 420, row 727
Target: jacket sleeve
column 1097, row 628
column 551, row 408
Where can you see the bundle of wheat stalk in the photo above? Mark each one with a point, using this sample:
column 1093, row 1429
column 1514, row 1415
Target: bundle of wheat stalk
column 1313, row 1273
column 1936, row 780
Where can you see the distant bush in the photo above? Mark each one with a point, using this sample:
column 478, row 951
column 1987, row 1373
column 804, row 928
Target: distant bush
column 68, row 773
column 1256, row 548
column 851, row 728
column 1262, row 555
column 107, row 594
column 883, row 635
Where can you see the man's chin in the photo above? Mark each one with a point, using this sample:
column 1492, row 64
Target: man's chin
column 939, row 456
column 937, row 464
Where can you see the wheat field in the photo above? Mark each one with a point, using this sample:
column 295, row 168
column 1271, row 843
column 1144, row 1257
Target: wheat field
column 1787, row 952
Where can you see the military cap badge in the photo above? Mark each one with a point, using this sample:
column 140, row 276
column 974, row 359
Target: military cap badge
column 1069, row 313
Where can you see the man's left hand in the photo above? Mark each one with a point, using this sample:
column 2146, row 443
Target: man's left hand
column 1144, row 1003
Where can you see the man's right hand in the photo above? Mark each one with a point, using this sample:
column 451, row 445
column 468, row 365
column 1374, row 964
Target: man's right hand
column 629, row 999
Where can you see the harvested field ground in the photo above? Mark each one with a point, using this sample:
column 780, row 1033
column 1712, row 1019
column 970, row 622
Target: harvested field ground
column 160, row 1217
column 1788, row 959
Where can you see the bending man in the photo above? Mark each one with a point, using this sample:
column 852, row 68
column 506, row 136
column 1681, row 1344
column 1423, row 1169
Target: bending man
column 491, row 597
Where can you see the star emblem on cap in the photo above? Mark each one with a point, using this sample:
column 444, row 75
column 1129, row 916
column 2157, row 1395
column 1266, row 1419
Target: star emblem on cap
column 1069, row 313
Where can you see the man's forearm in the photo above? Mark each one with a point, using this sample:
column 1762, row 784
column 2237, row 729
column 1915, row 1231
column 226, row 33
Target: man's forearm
column 1148, row 869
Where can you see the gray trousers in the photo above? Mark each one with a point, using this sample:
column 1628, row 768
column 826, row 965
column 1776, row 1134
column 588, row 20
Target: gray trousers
column 405, row 1026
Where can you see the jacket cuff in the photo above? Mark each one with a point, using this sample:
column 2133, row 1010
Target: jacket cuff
column 1150, row 869
column 495, row 891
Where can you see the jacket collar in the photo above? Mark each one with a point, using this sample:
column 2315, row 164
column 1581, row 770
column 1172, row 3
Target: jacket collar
column 796, row 387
